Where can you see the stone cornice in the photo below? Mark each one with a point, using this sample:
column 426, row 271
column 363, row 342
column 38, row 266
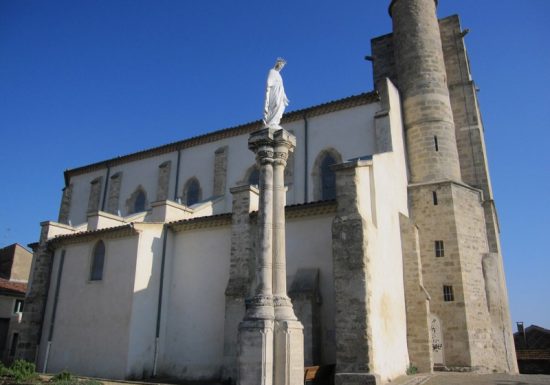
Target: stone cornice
column 201, row 222
column 306, row 209
column 337, row 105
column 84, row 236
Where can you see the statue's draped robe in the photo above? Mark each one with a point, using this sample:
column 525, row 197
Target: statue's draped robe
column 275, row 99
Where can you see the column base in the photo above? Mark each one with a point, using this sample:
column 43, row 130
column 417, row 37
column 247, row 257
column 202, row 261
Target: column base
column 255, row 357
column 259, row 307
column 283, row 308
column 356, row 379
column 289, row 353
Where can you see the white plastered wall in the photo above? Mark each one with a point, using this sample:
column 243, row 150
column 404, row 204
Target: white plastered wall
column 388, row 194
column 91, row 331
column 145, row 302
column 309, row 245
column 349, row 131
column 192, row 343
column 142, row 172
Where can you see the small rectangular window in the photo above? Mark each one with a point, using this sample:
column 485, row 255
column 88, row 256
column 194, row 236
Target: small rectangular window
column 439, row 249
column 448, row 295
column 18, row 306
column 434, row 194
column 436, row 143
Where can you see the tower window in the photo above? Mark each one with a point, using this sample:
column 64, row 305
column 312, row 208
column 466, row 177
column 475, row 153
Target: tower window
column 439, row 249
column 98, row 260
column 18, row 306
column 448, row 295
column 436, row 144
column 434, row 195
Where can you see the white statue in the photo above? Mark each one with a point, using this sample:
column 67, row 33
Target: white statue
column 275, row 97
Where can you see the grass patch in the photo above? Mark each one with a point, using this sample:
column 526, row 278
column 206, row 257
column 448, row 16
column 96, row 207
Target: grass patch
column 23, row 372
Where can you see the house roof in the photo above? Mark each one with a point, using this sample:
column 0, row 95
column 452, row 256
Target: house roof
column 17, row 289
column 321, row 109
column 536, row 337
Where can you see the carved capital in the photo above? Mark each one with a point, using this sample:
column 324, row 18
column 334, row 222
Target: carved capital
column 280, row 158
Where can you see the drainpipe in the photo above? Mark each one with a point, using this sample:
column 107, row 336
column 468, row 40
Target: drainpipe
column 105, row 187
column 306, row 178
column 177, row 176
column 159, row 305
column 54, row 311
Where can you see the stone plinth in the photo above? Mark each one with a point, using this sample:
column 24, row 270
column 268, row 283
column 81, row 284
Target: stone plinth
column 256, row 352
column 289, row 353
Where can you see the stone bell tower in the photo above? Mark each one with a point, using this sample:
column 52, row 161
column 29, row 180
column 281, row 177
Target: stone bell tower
column 449, row 213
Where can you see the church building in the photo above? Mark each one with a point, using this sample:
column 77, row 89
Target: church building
column 392, row 239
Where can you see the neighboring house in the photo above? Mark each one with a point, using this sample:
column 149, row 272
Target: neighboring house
column 15, row 265
column 393, row 250
column 533, row 349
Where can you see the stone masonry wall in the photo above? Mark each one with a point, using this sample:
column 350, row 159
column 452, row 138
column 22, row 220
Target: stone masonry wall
column 458, row 221
column 241, row 271
column 472, row 244
column 65, row 204
column 35, row 300
column 220, row 171
column 419, row 340
column 114, row 193
column 351, row 277
column 437, row 222
column 163, row 183
column 422, row 77
column 96, row 188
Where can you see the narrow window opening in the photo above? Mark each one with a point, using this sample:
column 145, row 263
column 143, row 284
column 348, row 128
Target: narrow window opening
column 436, row 143
column 328, row 178
column 448, row 294
column 139, row 203
column 18, row 307
column 98, row 260
column 439, row 249
column 193, row 193
column 434, row 197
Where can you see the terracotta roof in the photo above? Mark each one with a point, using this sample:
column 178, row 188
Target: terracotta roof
column 124, row 229
column 12, row 288
column 321, row 109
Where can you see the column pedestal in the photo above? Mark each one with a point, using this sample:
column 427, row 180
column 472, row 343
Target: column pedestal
column 289, row 353
column 256, row 352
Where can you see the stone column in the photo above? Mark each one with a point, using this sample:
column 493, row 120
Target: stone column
column 289, row 332
column 256, row 330
column 284, row 143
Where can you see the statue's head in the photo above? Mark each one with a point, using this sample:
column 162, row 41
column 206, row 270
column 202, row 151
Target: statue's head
column 280, row 63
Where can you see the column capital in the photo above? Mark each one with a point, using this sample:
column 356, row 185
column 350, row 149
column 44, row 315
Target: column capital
column 284, row 139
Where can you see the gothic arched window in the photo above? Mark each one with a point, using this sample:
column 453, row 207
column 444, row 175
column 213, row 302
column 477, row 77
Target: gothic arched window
column 324, row 178
column 137, row 202
column 98, row 260
column 328, row 178
column 192, row 192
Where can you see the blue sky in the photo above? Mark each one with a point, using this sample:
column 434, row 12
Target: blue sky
column 82, row 81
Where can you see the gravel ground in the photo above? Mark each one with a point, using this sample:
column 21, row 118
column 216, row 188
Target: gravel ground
column 473, row 379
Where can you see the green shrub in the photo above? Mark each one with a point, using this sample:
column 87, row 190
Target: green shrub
column 20, row 371
column 62, row 376
column 412, row 369
column 66, row 378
